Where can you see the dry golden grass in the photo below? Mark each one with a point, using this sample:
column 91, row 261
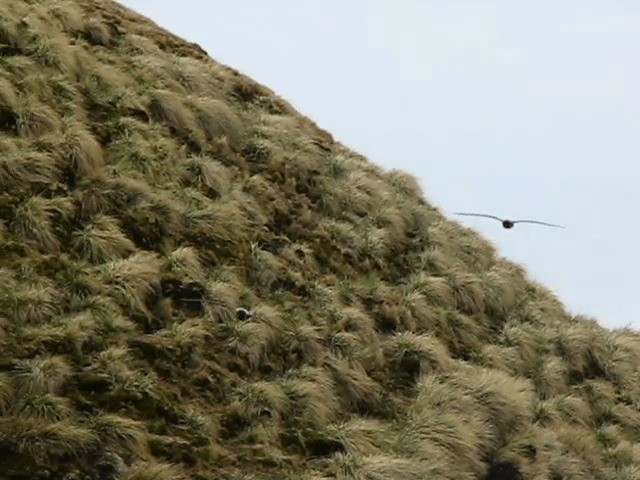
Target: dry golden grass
column 199, row 282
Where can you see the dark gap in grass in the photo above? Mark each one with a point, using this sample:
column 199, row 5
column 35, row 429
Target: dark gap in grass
column 407, row 371
column 497, row 323
column 592, row 370
column 274, row 244
column 173, row 451
column 182, row 48
column 503, row 471
column 9, row 50
column 305, row 188
column 62, row 346
column 149, row 350
column 70, row 177
column 18, row 466
column 282, row 221
column 150, row 324
column 186, row 296
column 229, row 156
column 216, row 252
column 148, row 235
column 93, row 383
column 7, row 365
column 108, row 469
column 324, row 447
column 98, row 114
column 138, row 114
column 385, row 322
column 8, row 120
column 8, row 204
column 255, row 152
column 464, row 353
column 268, row 370
column 292, row 441
column 100, row 35
column 389, row 407
column 233, row 425
column 247, row 92
column 290, row 286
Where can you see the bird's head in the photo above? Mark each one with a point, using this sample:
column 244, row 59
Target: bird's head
column 507, row 223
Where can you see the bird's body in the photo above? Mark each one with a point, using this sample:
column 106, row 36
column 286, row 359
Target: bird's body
column 506, row 223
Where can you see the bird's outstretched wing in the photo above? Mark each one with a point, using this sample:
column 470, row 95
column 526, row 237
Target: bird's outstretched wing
column 479, row 215
column 539, row 223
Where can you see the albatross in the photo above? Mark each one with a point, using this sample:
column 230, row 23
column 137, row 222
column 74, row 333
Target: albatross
column 506, row 223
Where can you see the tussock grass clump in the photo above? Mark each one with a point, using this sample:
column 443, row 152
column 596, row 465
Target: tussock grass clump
column 219, row 224
column 118, row 432
column 71, row 334
column 35, row 221
column 184, row 262
column 217, row 119
column 506, row 400
column 132, row 279
column 247, row 341
column 549, row 374
column 406, row 185
column 207, row 174
column 170, row 108
column 43, row 441
column 156, row 471
column 353, row 337
column 411, row 356
column 503, row 285
column 313, row 398
column 68, row 16
column 462, row 334
column 34, row 119
column 442, row 424
column 199, row 282
column 41, row 375
column 8, row 106
column 28, row 170
column 29, row 38
column 27, row 298
column 357, row 390
column 467, row 291
column 355, row 436
column 82, row 149
column 525, row 342
column 259, row 399
column 199, row 78
column 102, row 240
column 435, row 290
column 46, row 407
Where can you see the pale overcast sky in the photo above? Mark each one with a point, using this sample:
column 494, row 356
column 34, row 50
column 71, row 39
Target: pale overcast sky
column 520, row 109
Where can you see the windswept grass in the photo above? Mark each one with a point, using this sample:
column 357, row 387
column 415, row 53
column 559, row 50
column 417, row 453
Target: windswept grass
column 36, row 219
column 199, row 282
column 82, row 149
column 25, row 170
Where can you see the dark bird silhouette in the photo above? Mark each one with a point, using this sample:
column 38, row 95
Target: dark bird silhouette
column 506, row 223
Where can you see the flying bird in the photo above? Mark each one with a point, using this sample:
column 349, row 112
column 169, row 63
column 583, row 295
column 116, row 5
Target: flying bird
column 506, row 223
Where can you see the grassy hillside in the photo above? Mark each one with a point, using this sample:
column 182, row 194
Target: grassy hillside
column 147, row 193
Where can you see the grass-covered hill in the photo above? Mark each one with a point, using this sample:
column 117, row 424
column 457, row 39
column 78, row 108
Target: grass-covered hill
column 147, row 193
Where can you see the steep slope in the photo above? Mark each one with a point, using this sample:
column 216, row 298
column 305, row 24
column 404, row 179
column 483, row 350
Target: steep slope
column 148, row 192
